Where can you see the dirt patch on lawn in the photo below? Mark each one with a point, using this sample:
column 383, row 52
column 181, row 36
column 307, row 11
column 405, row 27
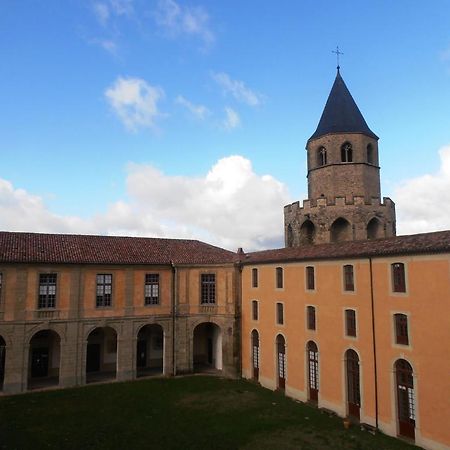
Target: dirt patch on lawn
column 221, row 402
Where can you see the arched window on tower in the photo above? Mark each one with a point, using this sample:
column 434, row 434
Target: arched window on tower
column 346, row 152
column 370, row 154
column 290, row 236
column 341, row 230
column 307, row 232
column 374, row 229
column 321, row 156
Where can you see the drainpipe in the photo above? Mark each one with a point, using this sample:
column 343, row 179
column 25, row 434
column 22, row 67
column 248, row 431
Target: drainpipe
column 374, row 342
column 174, row 298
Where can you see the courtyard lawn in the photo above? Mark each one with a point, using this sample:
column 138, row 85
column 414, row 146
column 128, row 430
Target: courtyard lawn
column 195, row 412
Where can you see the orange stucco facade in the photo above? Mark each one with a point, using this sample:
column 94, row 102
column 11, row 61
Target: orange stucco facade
column 425, row 303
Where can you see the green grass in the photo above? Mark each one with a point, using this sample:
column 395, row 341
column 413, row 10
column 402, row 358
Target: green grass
column 196, row 412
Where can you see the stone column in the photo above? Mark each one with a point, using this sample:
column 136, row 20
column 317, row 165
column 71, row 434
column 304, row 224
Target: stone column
column 125, row 353
column 16, row 362
column 68, row 373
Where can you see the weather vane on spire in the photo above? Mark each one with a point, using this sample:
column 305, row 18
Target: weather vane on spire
column 337, row 56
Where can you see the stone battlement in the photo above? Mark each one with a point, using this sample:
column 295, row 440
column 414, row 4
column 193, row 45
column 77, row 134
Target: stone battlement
column 339, row 202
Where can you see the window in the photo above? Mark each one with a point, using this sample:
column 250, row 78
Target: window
column 321, row 156
column 398, row 277
column 311, row 317
column 279, row 275
column 350, row 322
column 254, row 309
column 255, row 278
column 151, row 289
column 47, row 290
column 104, row 290
column 310, row 282
column 401, row 329
column 208, row 289
column 349, row 284
column 370, row 153
column 346, row 152
column 280, row 314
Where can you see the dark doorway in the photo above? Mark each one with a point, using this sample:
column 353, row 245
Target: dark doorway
column 281, row 361
column 375, row 229
column 353, row 384
column 93, row 358
column 313, row 372
column 341, row 230
column 2, row 361
column 150, row 351
column 39, row 362
column 255, row 355
column 405, row 399
column 207, row 347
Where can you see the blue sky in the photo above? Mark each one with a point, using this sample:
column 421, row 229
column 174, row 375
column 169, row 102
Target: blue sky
column 174, row 118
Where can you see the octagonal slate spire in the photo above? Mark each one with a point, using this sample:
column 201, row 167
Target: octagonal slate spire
column 341, row 114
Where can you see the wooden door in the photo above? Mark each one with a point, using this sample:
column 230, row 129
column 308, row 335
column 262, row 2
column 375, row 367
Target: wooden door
column 2, row 363
column 281, row 358
column 255, row 354
column 353, row 384
column 405, row 399
column 313, row 371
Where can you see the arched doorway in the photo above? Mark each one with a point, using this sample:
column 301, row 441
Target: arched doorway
column 281, row 361
column 255, row 355
column 207, row 351
column 405, row 399
column 341, row 230
column 44, row 359
column 150, row 351
column 2, row 361
column 313, row 372
column 307, row 232
column 353, row 383
column 101, row 355
column 374, row 229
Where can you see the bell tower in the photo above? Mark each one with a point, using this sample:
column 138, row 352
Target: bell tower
column 344, row 198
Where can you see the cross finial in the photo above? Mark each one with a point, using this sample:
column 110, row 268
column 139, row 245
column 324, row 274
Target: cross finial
column 337, row 56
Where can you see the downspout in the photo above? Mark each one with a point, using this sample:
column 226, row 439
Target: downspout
column 174, row 333
column 374, row 342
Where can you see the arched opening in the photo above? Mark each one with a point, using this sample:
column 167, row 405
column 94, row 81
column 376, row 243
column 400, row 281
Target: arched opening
column 255, row 355
column 341, row 230
column 2, row 361
column 101, row 355
column 207, row 352
column 405, row 399
column 281, row 361
column 313, row 372
column 44, row 359
column 150, row 351
column 353, row 383
column 321, row 156
column 346, row 152
column 290, row 236
column 374, row 229
column 307, row 232
column 370, row 154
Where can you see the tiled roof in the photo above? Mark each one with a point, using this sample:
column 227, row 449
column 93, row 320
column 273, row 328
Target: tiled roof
column 341, row 114
column 86, row 249
column 437, row 242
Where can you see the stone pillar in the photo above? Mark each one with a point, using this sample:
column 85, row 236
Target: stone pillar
column 68, row 368
column 126, row 352
column 16, row 363
column 183, row 346
column 168, row 348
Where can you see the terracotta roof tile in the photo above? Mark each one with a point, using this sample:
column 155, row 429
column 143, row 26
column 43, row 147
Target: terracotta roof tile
column 87, row 249
column 437, row 242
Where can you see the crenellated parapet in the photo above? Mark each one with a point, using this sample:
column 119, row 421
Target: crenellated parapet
column 323, row 220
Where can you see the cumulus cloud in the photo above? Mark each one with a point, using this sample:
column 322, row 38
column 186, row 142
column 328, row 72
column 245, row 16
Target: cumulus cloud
column 179, row 20
column 104, row 11
column 135, row 102
column 237, row 89
column 232, row 119
column 423, row 203
column 231, row 206
column 101, row 11
column 198, row 111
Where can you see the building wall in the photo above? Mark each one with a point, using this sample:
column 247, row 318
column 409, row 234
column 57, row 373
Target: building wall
column 426, row 303
column 75, row 316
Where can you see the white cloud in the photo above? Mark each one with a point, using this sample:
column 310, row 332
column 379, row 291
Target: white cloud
column 423, row 203
column 237, row 89
column 105, row 10
column 199, row 111
column 135, row 102
column 232, row 119
column 231, row 206
column 179, row 20
column 122, row 7
column 101, row 11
